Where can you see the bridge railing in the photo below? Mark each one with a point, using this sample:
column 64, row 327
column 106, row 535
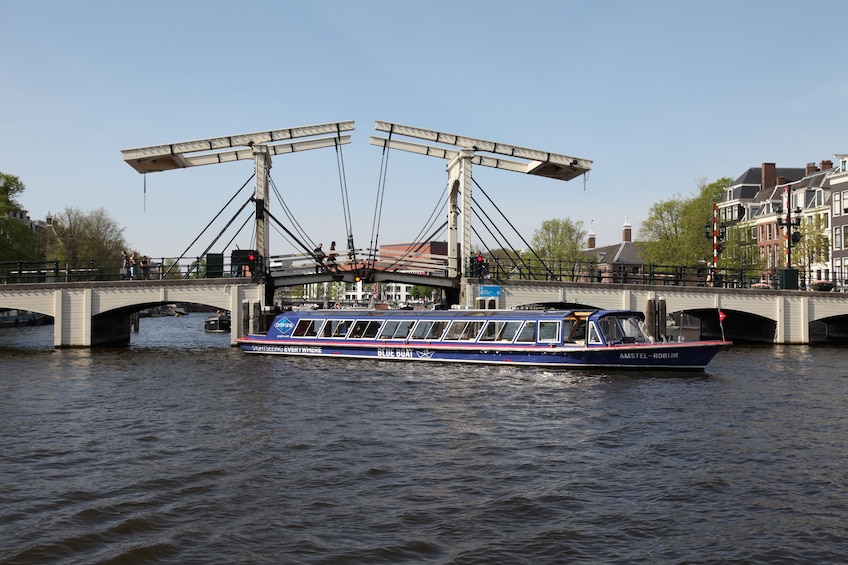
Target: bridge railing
column 342, row 260
column 22, row 272
column 673, row 275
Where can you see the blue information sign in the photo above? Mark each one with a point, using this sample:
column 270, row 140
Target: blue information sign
column 490, row 291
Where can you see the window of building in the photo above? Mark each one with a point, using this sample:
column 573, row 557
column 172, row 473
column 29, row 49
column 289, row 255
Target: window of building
column 837, row 203
column 837, row 238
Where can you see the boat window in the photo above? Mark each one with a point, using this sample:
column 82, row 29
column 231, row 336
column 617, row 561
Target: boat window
column 306, row 328
column 365, row 329
column 421, row 330
column 527, row 333
column 549, row 331
column 632, row 327
column 456, row 329
column 577, row 331
column 463, row 330
column 593, row 335
column 491, row 331
column 336, row 328
column 509, row 330
column 471, row 331
column 611, row 329
column 437, row 330
column 403, row 329
column 373, row 329
column 389, row 329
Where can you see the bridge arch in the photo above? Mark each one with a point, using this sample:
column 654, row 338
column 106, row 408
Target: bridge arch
column 98, row 312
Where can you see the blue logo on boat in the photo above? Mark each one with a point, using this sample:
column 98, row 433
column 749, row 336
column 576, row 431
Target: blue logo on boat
column 284, row 325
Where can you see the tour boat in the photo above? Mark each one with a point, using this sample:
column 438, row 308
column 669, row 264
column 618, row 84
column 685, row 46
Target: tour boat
column 538, row 338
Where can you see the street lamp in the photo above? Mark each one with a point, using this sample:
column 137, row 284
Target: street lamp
column 793, row 236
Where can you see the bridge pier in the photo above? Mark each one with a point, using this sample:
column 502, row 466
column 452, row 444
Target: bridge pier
column 112, row 328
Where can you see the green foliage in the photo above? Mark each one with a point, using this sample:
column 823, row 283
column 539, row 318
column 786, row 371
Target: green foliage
column 10, row 187
column 559, row 240
column 419, row 291
column 18, row 242
column 82, row 236
column 673, row 233
column 814, row 246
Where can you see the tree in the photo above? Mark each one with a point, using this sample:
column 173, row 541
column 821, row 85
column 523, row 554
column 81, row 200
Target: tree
column 559, row 243
column 673, row 233
column 84, row 236
column 10, row 187
column 814, row 246
column 17, row 241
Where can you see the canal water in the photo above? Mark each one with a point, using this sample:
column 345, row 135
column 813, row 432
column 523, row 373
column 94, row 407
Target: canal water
column 180, row 449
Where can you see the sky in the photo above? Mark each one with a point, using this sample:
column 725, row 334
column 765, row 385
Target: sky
column 659, row 95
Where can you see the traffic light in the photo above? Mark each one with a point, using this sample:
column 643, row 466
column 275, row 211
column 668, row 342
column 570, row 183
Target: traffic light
column 244, row 262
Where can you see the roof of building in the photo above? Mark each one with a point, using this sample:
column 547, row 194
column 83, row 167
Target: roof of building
column 626, row 252
column 754, row 175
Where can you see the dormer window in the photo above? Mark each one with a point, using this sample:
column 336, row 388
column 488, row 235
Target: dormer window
column 843, row 165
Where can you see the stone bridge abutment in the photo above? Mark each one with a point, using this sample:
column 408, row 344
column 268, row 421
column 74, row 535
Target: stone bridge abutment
column 96, row 313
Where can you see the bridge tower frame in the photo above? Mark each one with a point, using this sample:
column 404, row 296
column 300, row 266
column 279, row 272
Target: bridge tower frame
column 463, row 152
column 258, row 146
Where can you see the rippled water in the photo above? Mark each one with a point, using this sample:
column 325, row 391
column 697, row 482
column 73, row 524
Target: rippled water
column 180, row 449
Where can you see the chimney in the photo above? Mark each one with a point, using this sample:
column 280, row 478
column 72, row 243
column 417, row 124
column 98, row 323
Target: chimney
column 826, row 164
column 591, row 239
column 626, row 230
column 781, row 180
column 811, row 168
column 768, row 177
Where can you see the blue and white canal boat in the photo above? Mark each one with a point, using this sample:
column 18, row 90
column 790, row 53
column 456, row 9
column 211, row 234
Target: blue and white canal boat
column 538, row 338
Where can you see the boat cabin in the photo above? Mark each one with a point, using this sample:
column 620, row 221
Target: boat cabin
column 519, row 327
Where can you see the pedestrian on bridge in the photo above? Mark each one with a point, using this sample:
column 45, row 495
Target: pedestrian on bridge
column 125, row 265
column 318, row 253
column 145, row 268
column 133, row 266
column 331, row 257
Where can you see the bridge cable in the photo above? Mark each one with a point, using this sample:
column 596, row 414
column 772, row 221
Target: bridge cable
column 221, row 211
column 547, row 269
column 294, row 223
column 420, row 241
column 345, row 197
column 505, row 246
column 378, row 204
column 220, row 233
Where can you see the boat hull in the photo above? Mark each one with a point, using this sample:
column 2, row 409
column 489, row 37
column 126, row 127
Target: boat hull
column 570, row 339
column 680, row 356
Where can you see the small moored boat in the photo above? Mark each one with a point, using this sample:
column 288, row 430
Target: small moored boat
column 219, row 322
column 541, row 338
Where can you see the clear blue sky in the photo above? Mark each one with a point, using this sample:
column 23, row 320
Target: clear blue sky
column 658, row 94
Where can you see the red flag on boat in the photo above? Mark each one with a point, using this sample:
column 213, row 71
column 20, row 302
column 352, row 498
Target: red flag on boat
column 721, row 316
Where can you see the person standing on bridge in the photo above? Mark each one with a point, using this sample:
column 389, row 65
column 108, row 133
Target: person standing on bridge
column 331, row 257
column 318, row 254
column 125, row 265
column 145, row 268
column 133, row 266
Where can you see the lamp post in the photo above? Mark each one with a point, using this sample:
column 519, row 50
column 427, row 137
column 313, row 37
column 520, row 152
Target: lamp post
column 792, row 238
column 792, row 235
